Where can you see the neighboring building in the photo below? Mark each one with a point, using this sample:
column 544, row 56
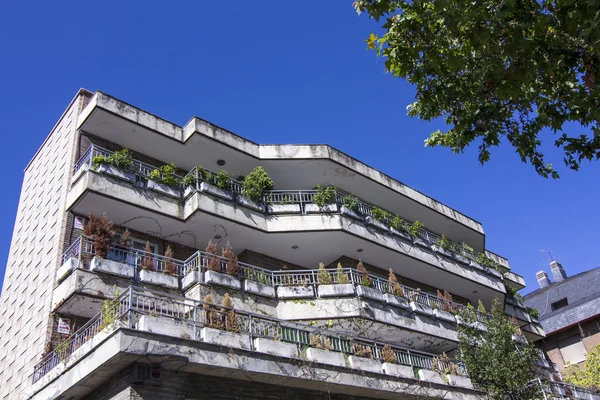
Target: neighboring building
column 569, row 311
column 78, row 321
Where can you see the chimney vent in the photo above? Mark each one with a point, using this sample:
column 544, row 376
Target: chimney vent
column 543, row 279
column 558, row 272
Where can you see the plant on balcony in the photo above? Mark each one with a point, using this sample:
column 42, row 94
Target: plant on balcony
column 318, row 342
column 223, row 180
column 232, row 268
column 231, row 320
column 210, row 314
column 340, row 277
column 533, row 312
column 101, row 230
column 496, row 363
column 586, row 374
column 366, row 279
column 415, row 229
column 120, row 159
column 353, row 203
column 256, row 183
column 324, row 196
column 481, row 308
column 413, row 295
column 380, row 214
column 448, row 304
column 125, row 240
column 147, row 262
column 170, row 267
column 394, row 285
column 323, row 275
column 467, row 250
column 362, row 350
column 199, row 174
column 444, row 243
column 165, row 174
column 398, row 223
column 388, row 355
column 213, row 264
column 110, row 311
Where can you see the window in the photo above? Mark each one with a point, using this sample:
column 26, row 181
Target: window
column 572, row 349
column 559, row 304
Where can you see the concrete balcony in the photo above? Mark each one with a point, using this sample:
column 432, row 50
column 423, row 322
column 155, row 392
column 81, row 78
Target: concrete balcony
column 327, row 235
column 212, row 340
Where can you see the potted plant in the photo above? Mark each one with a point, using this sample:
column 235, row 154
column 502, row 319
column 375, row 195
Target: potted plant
column 320, row 351
column 399, row 227
column 166, row 276
column 118, row 164
column 391, row 366
column 378, row 218
column 444, row 312
column 164, row 179
column 219, row 185
column 442, row 246
column 364, row 289
column 215, row 275
column 101, row 231
column 414, row 231
column 253, row 187
column 418, row 305
column 324, row 201
column 259, row 282
column 282, row 204
column 351, row 207
column 221, row 327
column 191, row 180
column 395, row 295
column 327, row 287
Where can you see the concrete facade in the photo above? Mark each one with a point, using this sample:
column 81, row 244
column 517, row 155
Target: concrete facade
column 35, row 251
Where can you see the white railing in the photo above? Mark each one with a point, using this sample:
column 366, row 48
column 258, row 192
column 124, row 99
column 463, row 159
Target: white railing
column 134, row 303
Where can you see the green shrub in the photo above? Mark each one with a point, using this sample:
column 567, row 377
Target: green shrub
column 415, row 229
column 324, row 196
column 121, row 159
column 352, row 203
column 379, row 214
column 255, row 184
column 166, row 175
column 223, row 180
column 444, row 243
column 398, row 224
column 199, row 174
column 323, row 275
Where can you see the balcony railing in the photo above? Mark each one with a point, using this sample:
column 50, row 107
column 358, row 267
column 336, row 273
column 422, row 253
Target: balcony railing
column 132, row 304
column 300, row 197
column 83, row 250
column 544, row 389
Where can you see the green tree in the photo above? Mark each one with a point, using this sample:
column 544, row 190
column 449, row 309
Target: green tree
column 498, row 70
column 587, row 374
column 495, row 362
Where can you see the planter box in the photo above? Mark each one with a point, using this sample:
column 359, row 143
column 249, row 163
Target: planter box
column 116, row 172
column 276, row 348
column 284, row 209
column 337, row 290
column 369, row 293
column 295, row 292
column 253, row 205
column 112, row 268
column 348, row 212
column 220, row 279
column 325, row 357
column 166, row 326
column 476, row 265
column 441, row 251
column 401, row 371
column 401, row 234
column 395, row 301
column 188, row 191
column 460, row 381
column 259, row 288
column 479, row 325
column 421, row 308
column 431, row 376
column 191, row 279
column 65, row 269
column 377, row 224
column 215, row 191
column 316, row 209
column 224, row 338
column 444, row 315
column 364, row 364
column 420, row 242
column 461, row 259
column 164, row 189
column 495, row 273
column 159, row 279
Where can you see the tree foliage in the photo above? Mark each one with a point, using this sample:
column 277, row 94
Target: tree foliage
column 498, row 70
column 496, row 363
column 588, row 373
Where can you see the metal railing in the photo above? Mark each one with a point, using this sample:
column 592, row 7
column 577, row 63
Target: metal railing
column 543, row 389
column 134, row 303
column 209, row 176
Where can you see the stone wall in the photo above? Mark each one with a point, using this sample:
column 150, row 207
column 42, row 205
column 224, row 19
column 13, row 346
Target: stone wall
column 35, row 253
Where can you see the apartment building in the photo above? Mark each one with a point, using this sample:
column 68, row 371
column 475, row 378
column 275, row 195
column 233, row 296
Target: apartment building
column 337, row 282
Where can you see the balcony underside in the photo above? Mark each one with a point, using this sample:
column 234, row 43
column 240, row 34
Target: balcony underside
column 89, row 371
column 319, row 237
column 290, row 166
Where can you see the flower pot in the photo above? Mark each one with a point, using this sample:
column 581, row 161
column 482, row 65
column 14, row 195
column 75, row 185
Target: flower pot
column 192, row 278
column 215, row 191
column 159, row 279
column 295, row 292
column 317, row 209
column 164, row 189
column 253, row 205
column 349, row 213
column 377, row 224
column 220, row 279
column 336, row 290
column 395, row 301
column 421, row 308
column 112, row 268
column 258, row 288
column 369, row 293
column 116, row 172
column 284, row 209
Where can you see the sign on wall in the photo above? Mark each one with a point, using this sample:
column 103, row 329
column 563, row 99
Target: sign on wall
column 63, row 326
column 79, row 223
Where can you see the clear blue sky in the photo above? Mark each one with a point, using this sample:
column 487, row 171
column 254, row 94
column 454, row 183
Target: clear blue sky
column 274, row 72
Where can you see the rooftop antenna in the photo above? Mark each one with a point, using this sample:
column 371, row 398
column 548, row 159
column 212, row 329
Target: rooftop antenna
column 549, row 257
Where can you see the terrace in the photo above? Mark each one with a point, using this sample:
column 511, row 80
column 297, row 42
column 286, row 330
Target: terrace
column 156, row 313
